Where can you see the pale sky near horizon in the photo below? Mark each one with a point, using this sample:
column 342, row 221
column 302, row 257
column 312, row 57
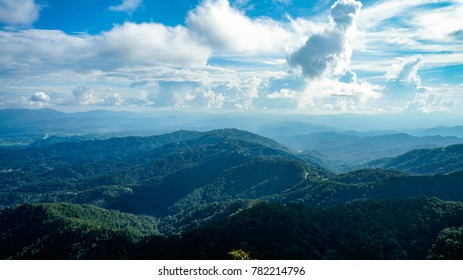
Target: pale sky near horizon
column 310, row 56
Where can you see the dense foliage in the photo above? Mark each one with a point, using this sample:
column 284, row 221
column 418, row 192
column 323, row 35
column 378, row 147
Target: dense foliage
column 387, row 229
column 426, row 161
column 221, row 194
column 69, row 231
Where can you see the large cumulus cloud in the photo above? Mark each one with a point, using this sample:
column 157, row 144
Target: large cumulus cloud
column 84, row 95
column 226, row 28
column 329, row 53
column 324, row 60
column 403, row 80
column 18, row 12
column 125, row 45
column 145, row 53
column 40, row 97
column 404, row 90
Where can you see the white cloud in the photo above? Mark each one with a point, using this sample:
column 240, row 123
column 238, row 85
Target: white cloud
column 376, row 14
column 403, row 81
column 37, row 100
column 140, row 83
column 18, row 12
column 320, row 55
column 439, row 24
column 186, row 94
column 130, row 44
column 284, row 93
column 232, row 92
column 151, row 43
column 443, row 99
column 128, row 6
column 141, row 54
column 334, row 95
column 40, row 97
column 227, row 29
column 242, row 92
column 111, row 98
column 329, row 53
column 223, row 58
column 344, row 13
column 83, row 95
column 33, row 51
column 325, row 62
column 389, row 28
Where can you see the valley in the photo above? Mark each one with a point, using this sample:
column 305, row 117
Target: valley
column 193, row 194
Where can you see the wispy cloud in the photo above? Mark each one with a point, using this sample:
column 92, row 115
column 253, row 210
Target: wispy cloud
column 140, row 83
column 128, row 6
column 392, row 28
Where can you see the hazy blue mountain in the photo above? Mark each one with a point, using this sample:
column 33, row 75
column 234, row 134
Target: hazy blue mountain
column 316, row 158
column 425, row 161
column 53, row 154
column 23, row 126
column 442, row 130
column 356, row 150
column 291, row 128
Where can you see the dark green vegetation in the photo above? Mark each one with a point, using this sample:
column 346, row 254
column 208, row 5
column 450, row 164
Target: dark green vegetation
column 69, row 231
column 426, row 161
column 203, row 195
column 387, row 229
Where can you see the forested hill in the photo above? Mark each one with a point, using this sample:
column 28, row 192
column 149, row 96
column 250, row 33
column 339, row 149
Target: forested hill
column 425, row 161
column 179, row 176
column 370, row 229
column 183, row 188
column 69, row 231
column 387, row 229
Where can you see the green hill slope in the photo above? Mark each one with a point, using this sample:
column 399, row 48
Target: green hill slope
column 61, row 231
column 388, row 229
column 425, row 161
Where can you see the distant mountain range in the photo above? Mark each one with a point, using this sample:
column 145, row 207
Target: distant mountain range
column 193, row 194
column 456, row 131
column 356, row 150
column 183, row 172
column 425, row 161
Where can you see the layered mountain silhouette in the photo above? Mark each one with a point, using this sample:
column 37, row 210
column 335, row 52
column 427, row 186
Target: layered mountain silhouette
column 169, row 196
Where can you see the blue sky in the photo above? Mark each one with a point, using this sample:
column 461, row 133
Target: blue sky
column 291, row 55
